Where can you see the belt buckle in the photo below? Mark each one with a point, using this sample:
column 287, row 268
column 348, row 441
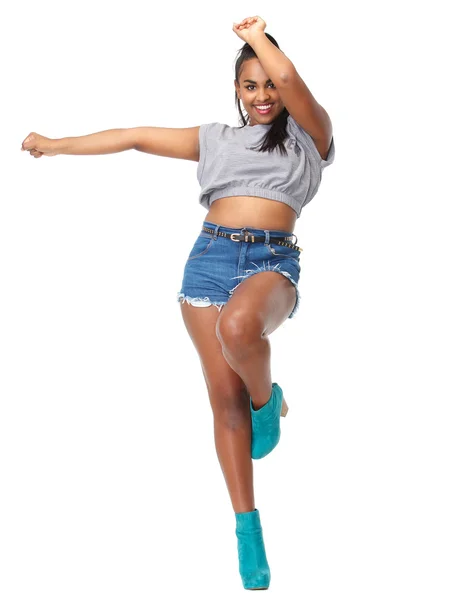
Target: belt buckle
column 248, row 236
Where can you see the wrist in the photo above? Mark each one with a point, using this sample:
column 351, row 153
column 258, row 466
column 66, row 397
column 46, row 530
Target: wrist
column 256, row 37
column 59, row 146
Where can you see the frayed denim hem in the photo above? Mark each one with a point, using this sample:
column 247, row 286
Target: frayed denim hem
column 181, row 297
column 198, row 301
column 251, row 272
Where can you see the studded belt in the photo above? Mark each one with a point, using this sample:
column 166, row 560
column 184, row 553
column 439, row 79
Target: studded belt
column 246, row 236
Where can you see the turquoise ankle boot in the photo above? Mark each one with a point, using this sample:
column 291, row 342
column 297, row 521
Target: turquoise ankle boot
column 253, row 565
column 266, row 429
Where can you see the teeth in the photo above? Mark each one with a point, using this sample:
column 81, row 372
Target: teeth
column 263, row 107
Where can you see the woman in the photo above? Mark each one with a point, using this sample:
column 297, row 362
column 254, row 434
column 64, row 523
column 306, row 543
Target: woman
column 241, row 276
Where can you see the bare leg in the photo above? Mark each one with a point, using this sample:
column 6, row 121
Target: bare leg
column 259, row 305
column 229, row 401
column 251, row 361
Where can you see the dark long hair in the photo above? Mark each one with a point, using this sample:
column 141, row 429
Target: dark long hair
column 277, row 133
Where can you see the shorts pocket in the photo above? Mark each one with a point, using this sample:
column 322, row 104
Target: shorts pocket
column 201, row 245
column 275, row 250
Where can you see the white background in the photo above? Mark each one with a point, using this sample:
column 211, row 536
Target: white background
column 110, row 484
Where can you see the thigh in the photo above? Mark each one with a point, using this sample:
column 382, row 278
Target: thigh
column 262, row 302
column 222, row 381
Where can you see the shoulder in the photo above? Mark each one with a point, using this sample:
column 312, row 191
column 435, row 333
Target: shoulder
column 212, row 128
column 211, row 134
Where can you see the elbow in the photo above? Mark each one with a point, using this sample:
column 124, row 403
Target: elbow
column 285, row 78
column 134, row 139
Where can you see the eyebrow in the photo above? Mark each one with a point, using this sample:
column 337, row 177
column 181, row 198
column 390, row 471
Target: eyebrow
column 251, row 81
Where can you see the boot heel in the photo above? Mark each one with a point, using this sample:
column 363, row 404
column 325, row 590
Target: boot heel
column 284, row 408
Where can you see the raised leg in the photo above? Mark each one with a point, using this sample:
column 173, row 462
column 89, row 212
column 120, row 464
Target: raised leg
column 258, row 306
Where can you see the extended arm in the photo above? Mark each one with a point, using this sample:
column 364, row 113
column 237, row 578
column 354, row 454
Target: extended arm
column 163, row 141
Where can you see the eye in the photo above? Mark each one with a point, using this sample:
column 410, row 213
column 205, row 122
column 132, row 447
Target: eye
column 251, row 85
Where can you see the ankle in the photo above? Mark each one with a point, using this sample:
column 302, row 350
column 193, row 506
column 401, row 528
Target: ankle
column 244, row 510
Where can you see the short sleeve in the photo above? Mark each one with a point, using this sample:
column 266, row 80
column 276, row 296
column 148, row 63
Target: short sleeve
column 208, row 137
column 303, row 138
column 329, row 157
column 202, row 149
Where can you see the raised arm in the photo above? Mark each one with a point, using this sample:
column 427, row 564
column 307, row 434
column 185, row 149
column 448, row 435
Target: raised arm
column 163, row 141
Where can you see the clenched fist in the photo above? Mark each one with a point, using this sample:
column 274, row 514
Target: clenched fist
column 38, row 145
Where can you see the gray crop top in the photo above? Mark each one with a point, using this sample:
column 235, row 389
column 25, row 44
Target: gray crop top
column 228, row 167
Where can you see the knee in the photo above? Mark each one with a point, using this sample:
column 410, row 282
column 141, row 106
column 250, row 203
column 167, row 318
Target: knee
column 238, row 331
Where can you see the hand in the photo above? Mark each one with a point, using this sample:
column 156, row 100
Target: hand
column 38, row 145
column 249, row 27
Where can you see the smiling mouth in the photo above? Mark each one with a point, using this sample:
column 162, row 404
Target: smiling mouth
column 263, row 111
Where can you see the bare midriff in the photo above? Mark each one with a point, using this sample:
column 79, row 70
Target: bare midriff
column 253, row 212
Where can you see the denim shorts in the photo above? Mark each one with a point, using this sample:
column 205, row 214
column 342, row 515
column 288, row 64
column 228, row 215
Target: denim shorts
column 217, row 265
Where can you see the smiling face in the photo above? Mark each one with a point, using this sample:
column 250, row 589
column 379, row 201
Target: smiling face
column 255, row 88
